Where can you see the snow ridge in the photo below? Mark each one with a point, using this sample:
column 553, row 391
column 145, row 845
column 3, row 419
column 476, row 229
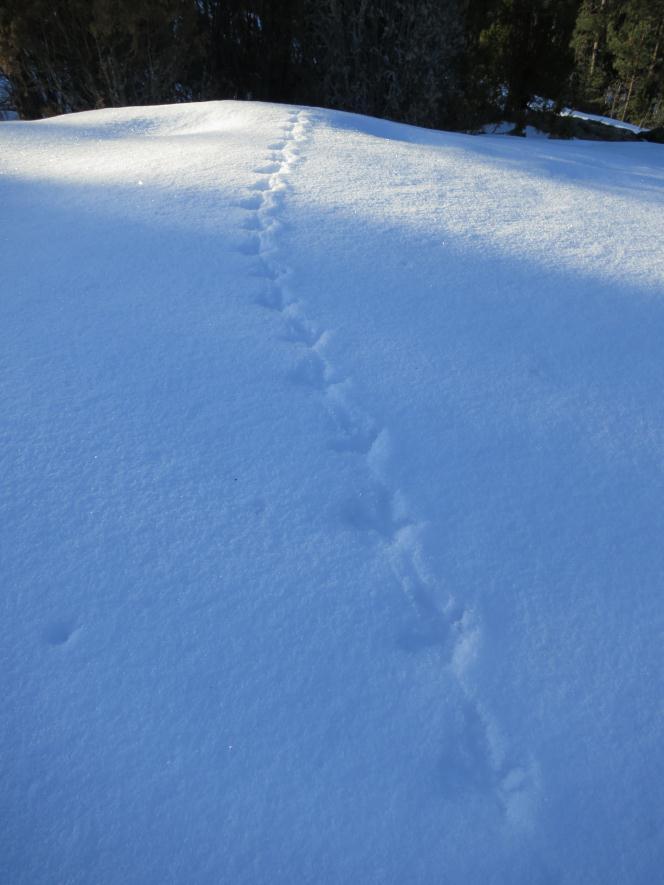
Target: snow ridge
column 445, row 630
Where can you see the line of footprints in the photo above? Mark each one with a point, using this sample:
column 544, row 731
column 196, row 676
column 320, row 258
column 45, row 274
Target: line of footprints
column 476, row 758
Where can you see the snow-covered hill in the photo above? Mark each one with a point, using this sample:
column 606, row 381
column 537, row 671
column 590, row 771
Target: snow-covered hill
column 333, row 502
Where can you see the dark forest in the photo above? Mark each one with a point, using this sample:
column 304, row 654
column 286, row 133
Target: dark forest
column 454, row 64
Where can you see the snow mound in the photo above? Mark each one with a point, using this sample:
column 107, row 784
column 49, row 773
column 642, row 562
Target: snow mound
column 598, row 118
column 332, row 508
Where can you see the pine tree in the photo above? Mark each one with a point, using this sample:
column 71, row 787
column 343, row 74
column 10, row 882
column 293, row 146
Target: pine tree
column 589, row 42
column 636, row 40
column 392, row 58
column 80, row 54
column 525, row 51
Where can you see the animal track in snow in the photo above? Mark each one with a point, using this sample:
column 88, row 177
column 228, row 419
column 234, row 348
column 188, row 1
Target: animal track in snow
column 310, row 371
column 352, row 429
column 253, row 202
column 272, row 298
column 475, row 760
column 60, row 632
column 252, row 223
column 268, row 169
column 375, row 509
column 473, row 757
column 301, row 331
column 250, row 246
column 262, row 184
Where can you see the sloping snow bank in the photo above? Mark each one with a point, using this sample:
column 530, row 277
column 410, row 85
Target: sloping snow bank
column 598, row 118
column 332, row 512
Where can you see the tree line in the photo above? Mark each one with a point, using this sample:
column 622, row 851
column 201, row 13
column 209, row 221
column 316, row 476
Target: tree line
column 452, row 64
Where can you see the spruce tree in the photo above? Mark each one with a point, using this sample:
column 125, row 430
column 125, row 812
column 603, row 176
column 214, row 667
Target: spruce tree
column 636, row 40
column 525, row 51
column 589, row 42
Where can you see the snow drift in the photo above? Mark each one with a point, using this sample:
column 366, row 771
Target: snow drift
column 332, row 502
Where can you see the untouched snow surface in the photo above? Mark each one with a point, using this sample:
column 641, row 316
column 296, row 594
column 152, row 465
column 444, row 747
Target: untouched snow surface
column 332, row 512
column 597, row 118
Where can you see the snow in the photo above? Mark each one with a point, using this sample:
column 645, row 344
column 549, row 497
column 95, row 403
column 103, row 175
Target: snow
column 504, row 127
column 597, row 118
column 331, row 524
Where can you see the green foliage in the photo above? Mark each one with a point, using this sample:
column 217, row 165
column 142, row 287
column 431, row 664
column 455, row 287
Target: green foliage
column 79, row 54
column 589, row 42
column 636, row 41
column 619, row 52
column 391, row 58
column 447, row 63
column 525, row 49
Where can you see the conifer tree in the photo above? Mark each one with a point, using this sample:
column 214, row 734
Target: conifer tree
column 80, row 54
column 589, row 42
column 636, row 40
column 393, row 58
column 445, row 63
column 526, row 51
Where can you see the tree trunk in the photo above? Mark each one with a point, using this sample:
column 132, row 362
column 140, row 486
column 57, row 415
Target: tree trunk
column 629, row 97
column 593, row 57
